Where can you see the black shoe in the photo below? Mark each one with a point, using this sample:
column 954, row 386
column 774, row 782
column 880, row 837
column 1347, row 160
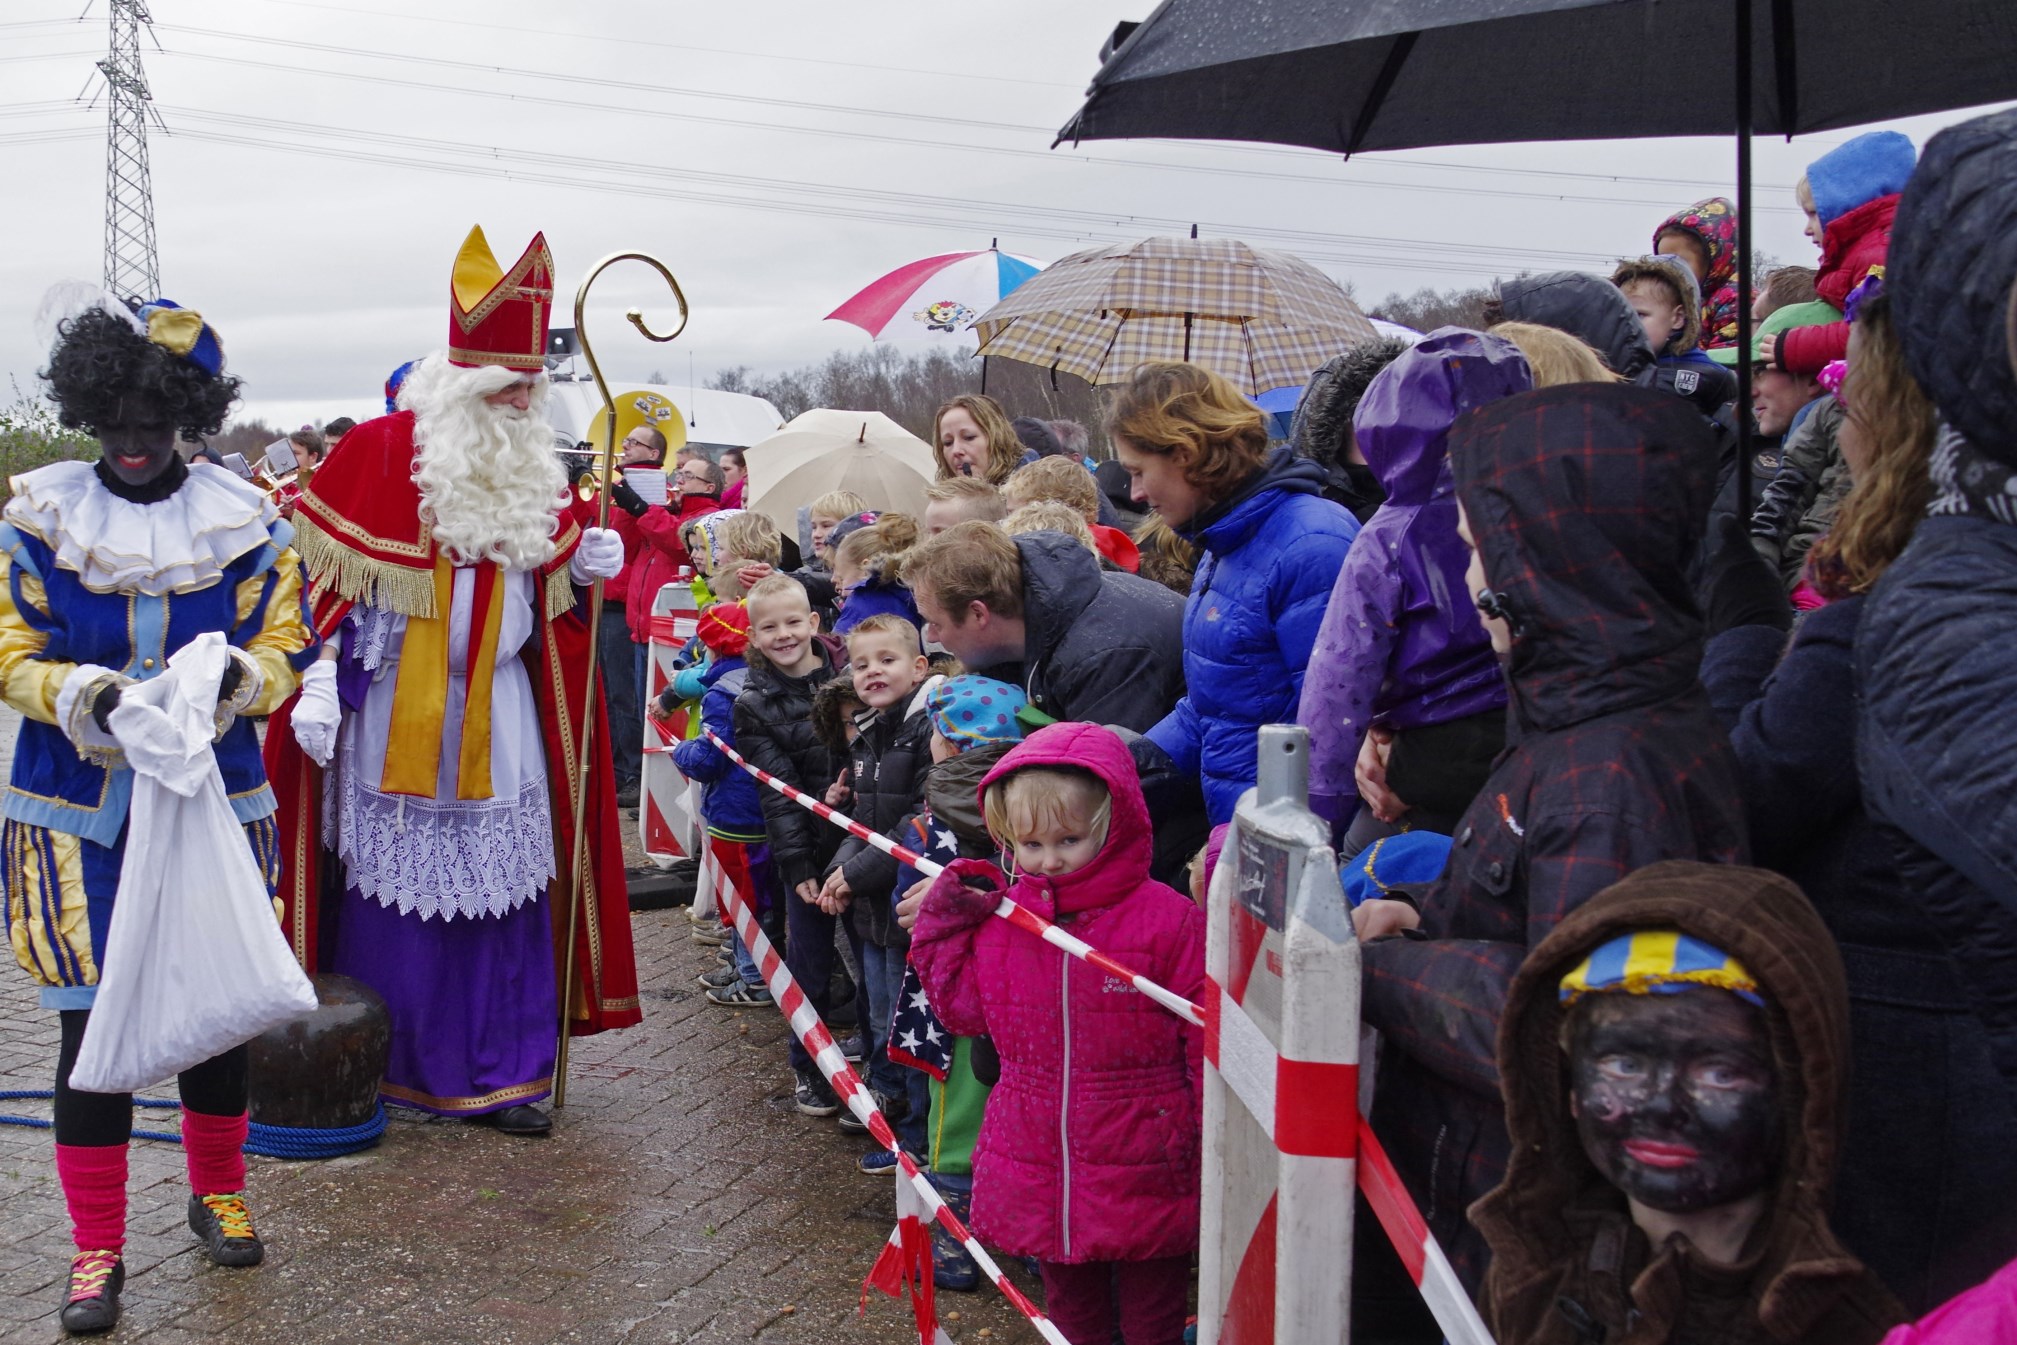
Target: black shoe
column 524, row 1119
column 91, row 1301
column 893, row 1109
column 813, row 1096
column 225, row 1226
column 721, row 977
column 852, row 1048
column 626, row 795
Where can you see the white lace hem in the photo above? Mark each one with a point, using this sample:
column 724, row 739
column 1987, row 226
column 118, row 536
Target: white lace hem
column 430, row 857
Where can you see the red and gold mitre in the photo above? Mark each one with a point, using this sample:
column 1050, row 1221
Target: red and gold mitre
column 497, row 316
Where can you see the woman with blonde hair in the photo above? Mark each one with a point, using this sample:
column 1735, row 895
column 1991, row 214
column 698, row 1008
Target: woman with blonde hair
column 1923, row 1175
column 1554, row 356
column 972, row 436
column 1270, row 548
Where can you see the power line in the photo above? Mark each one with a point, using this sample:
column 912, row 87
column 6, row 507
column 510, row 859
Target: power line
column 1046, row 156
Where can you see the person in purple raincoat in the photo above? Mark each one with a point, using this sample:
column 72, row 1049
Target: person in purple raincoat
column 1402, row 668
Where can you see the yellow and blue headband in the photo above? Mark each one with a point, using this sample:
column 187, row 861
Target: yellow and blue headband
column 1658, row 962
column 183, row 332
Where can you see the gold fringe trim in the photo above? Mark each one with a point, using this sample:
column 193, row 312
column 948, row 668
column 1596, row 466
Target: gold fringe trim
column 559, row 593
column 333, row 564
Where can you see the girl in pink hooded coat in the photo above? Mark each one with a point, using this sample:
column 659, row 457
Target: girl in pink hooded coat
column 1088, row 1159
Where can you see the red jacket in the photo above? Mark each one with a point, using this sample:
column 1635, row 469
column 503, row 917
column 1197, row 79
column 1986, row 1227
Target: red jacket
column 584, row 513
column 659, row 559
column 1852, row 246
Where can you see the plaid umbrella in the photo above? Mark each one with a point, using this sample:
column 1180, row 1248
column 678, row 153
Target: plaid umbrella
column 1263, row 319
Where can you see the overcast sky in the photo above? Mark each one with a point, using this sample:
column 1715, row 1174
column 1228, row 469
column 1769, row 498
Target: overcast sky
column 322, row 162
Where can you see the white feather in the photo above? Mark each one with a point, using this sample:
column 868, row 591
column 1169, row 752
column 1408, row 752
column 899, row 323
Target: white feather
column 67, row 298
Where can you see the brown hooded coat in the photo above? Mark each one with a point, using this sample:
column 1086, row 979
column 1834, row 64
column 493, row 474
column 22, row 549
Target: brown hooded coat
column 1568, row 1265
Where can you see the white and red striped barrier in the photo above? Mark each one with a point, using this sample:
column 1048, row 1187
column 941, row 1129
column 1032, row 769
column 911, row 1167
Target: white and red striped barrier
column 668, row 816
column 1297, row 1090
column 1019, row 916
column 854, row 1095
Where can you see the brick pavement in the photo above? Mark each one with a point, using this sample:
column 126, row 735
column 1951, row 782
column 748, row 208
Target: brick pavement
column 680, row 1199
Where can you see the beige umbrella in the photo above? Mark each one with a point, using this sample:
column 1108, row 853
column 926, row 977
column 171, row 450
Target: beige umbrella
column 821, row 451
column 1262, row 318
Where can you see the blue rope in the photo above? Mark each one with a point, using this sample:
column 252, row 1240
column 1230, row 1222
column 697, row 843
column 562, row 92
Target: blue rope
column 305, row 1142
column 264, row 1140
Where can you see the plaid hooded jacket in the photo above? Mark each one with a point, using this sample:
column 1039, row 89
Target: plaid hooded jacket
column 1587, row 502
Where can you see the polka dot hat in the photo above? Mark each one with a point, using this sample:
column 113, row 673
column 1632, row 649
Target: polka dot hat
column 970, row 711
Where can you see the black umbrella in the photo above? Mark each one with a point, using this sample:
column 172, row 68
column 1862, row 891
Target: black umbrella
column 1352, row 75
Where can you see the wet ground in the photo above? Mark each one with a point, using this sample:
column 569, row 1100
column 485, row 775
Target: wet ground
column 680, row 1199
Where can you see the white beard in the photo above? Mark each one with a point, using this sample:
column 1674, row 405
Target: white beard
column 491, row 486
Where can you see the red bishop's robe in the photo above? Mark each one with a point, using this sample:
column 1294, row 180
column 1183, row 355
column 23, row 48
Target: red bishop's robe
column 358, row 529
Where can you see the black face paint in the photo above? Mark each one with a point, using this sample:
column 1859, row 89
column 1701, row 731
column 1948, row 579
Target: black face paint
column 136, row 454
column 1676, row 1097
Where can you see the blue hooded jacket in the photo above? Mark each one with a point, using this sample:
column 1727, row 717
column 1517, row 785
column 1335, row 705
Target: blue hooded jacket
column 731, row 802
column 1268, row 557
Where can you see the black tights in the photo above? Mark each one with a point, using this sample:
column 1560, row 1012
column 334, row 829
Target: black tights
column 217, row 1087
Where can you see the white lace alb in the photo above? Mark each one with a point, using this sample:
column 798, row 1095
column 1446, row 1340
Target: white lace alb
column 431, row 857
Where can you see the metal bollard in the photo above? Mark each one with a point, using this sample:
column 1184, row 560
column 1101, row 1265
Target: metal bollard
column 1281, row 1071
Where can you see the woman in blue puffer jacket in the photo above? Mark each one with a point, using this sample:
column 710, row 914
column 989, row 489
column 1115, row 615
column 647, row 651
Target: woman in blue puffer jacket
column 1270, row 547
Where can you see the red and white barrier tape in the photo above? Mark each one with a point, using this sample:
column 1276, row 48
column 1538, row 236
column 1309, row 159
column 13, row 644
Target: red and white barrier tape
column 1378, row 1181
column 805, row 1024
column 1020, row 916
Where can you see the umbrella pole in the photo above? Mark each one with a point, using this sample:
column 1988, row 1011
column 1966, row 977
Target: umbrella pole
column 983, row 375
column 1744, row 251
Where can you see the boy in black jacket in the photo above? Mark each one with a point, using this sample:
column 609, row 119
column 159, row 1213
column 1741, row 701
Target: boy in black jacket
column 789, row 661
column 891, row 758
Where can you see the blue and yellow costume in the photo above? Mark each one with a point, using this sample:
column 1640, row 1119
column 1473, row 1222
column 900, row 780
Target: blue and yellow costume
column 101, row 590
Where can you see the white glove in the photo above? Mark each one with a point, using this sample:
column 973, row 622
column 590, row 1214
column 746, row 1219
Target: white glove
column 599, row 556
column 318, row 713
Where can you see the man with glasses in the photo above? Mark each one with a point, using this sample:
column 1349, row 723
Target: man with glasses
column 696, row 488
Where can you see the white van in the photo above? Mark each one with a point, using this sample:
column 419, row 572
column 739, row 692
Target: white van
column 714, row 420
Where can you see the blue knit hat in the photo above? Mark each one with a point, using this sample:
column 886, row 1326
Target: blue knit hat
column 1857, row 173
column 972, row 711
column 1411, row 857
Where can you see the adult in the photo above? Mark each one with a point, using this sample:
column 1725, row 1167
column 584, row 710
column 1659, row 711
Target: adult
column 616, row 661
column 1927, row 1193
column 1037, row 611
column 734, row 476
column 1403, row 686
column 1936, row 654
column 1270, row 548
column 1037, row 437
column 1582, row 505
column 1321, row 429
column 107, row 569
column 333, row 432
column 1587, row 307
column 972, row 436
column 443, row 565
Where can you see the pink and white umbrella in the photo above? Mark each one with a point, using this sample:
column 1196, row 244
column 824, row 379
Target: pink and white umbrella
column 937, row 297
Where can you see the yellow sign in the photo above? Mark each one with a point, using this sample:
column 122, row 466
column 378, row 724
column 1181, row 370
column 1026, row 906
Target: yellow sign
column 642, row 407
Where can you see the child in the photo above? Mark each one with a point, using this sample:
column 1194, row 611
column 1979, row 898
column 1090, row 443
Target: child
column 1662, row 292
column 823, row 515
column 789, row 662
column 730, row 800
column 961, row 499
column 974, row 724
column 886, row 773
column 1088, row 1157
column 1849, row 194
column 737, row 541
column 1063, row 480
column 1705, row 237
column 1672, row 1066
column 868, row 555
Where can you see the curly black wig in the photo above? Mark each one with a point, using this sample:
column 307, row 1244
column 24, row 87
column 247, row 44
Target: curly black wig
column 1323, row 421
column 103, row 372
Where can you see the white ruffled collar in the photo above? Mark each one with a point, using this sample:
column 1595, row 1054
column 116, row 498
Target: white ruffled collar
column 176, row 545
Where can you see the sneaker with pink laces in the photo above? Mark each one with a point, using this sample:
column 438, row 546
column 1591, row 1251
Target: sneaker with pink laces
column 91, row 1304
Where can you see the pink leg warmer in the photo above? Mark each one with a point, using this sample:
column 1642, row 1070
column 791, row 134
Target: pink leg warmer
column 215, row 1147
column 94, row 1186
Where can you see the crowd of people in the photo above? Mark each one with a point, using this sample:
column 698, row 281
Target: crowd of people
column 1673, row 810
